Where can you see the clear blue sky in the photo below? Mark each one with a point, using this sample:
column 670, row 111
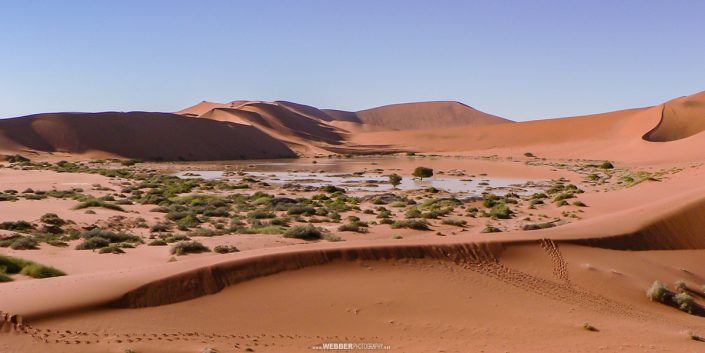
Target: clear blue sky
column 518, row 59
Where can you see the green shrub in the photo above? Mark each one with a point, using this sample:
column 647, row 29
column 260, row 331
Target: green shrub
column 157, row 242
column 17, row 226
column 332, row 189
column 112, row 249
column 98, row 203
column 354, row 226
column 422, row 172
column 225, row 249
column 4, row 277
column 332, row 237
column 36, row 270
column 395, row 180
column 160, row 227
column 306, row 232
column 24, row 243
column 501, row 211
column 93, row 243
column 536, row 226
column 685, row 302
column 491, row 229
column 188, row 247
column 416, row 224
column 606, row 165
column 52, row 219
column 111, row 236
column 455, row 222
column 659, row 293
column 16, row 158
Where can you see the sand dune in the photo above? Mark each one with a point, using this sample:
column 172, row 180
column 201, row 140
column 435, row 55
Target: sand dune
column 625, row 135
column 423, row 115
column 152, row 136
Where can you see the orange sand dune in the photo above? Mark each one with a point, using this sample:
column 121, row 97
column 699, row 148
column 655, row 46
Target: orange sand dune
column 153, row 136
column 422, row 115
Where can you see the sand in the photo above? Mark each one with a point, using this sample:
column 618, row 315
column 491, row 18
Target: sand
column 450, row 289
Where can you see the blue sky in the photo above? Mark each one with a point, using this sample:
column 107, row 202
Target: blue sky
column 517, row 59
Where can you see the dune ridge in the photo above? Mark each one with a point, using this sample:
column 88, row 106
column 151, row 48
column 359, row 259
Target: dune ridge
column 212, row 279
column 680, row 118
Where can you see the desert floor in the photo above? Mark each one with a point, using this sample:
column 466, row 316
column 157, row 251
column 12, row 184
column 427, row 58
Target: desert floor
column 547, row 254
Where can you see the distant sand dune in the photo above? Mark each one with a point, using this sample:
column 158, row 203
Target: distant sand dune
column 154, row 136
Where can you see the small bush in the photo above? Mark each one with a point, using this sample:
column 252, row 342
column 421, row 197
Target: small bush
column 24, row 243
column 411, row 224
column 589, row 327
column 4, row 277
column 422, row 172
column 455, row 222
column 93, row 243
column 36, row 270
column 659, row 293
column 188, row 247
column 98, row 203
column 354, row 226
column 537, row 226
column 332, row 237
column 684, row 302
column 157, row 242
column 395, row 180
column 606, row 165
column 491, row 229
column 306, row 232
column 112, row 249
column 225, row 249
column 16, row 158
column 501, row 211
column 18, row 226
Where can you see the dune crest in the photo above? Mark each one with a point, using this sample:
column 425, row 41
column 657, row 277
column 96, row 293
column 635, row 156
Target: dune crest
column 680, row 118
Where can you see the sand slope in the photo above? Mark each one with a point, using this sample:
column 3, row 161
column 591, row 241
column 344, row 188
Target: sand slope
column 422, row 115
column 681, row 118
column 153, row 136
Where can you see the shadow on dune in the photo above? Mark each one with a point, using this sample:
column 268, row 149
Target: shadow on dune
column 680, row 118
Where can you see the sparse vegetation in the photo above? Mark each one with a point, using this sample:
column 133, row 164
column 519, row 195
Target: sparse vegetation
column 305, row 232
column 416, row 224
column 658, row 292
column 13, row 265
column 225, row 249
column 455, row 222
column 98, row 203
column 188, row 247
